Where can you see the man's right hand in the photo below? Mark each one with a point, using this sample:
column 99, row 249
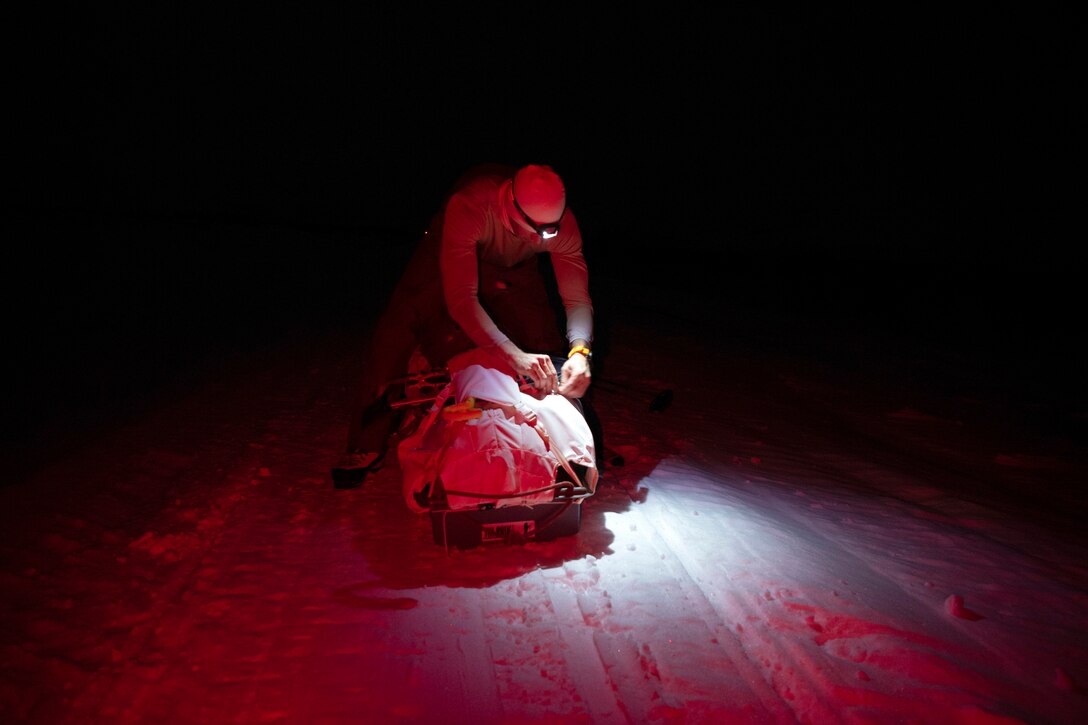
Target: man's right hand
column 537, row 367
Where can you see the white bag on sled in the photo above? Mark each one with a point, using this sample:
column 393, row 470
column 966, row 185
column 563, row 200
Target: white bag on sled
column 484, row 451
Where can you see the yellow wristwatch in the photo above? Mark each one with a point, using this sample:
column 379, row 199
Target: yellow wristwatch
column 581, row 350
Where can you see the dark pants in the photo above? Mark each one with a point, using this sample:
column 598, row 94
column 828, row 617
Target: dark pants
column 516, row 298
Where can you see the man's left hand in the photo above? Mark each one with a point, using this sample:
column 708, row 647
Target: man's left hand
column 574, row 377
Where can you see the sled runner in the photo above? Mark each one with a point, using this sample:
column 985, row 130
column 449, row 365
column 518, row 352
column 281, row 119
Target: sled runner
column 490, row 463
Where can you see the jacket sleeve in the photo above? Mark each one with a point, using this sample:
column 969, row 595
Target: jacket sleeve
column 464, row 224
column 572, row 281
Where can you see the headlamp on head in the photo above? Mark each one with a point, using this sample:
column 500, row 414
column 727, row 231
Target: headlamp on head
column 546, row 231
column 538, row 193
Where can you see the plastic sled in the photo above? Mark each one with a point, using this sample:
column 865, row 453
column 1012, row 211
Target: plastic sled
column 482, row 472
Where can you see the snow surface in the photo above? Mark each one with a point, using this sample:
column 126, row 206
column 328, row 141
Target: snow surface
column 802, row 536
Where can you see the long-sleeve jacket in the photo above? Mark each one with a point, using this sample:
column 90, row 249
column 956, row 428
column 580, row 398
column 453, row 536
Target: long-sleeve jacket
column 476, row 227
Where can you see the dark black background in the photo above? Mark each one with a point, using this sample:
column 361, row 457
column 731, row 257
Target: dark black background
column 189, row 183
